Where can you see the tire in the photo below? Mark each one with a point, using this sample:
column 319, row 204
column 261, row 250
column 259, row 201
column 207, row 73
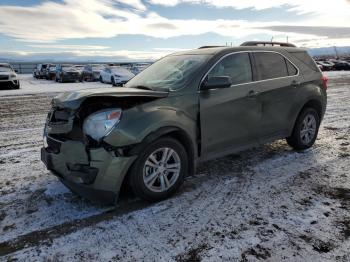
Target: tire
column 101, row 80
column 113, row 81
column 159, row 189
column 303, row 136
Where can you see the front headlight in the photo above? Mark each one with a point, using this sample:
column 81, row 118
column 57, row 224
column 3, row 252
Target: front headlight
column 13, row 75
column 101, row 123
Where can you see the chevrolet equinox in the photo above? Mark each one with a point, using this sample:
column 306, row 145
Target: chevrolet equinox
column 184, row 109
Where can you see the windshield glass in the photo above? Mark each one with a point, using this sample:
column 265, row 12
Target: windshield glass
column 120, row 70
column 170, row 73
column 68, row 68
column 97, row 67
column 5, row 69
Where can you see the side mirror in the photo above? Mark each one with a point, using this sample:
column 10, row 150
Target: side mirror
column 16, row 71
column 216, row 82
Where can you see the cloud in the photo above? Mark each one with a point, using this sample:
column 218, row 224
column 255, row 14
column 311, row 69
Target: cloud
column 330, row 32
column 85, row 55
column 51, row 21
column 70, row 47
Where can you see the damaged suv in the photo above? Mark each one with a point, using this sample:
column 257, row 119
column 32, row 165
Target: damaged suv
column 186, row 108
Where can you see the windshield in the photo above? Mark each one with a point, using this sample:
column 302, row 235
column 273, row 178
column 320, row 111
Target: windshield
column 120, row 70
column 95, row 68
column 68, row 68
column 170, row 73
column 5, row 69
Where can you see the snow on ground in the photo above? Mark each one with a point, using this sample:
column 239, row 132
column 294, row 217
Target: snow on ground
column 268, row 203
column 30, row 85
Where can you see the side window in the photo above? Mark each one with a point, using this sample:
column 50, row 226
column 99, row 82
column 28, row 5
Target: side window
column 270, row 65
column 236, row 66
column 292, row 71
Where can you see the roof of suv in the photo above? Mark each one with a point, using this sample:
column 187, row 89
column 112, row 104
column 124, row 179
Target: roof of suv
column 225, row 49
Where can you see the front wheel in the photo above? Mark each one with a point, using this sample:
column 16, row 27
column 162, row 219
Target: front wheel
column 305, row 130
column 101, row 80
column 159, row 170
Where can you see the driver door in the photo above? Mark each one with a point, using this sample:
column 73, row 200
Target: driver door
column 229, row 117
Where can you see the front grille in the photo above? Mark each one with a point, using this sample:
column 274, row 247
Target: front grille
column 4, row 77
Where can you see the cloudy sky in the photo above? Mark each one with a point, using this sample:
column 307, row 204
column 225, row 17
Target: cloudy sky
column 149, row 29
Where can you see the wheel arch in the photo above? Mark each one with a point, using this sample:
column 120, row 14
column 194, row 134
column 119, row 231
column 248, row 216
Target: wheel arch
column 176, row 133
column 170, row 131
column 310, row 103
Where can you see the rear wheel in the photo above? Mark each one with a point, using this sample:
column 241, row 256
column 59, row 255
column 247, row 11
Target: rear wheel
column 113, row 81
column 305, row 130
column 159, row 170
column 101, row 80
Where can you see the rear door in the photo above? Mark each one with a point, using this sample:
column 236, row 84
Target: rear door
column 278, row 82
column 229, row 117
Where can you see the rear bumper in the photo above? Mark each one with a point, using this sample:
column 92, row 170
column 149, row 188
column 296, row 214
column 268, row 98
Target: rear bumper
column 92, row 173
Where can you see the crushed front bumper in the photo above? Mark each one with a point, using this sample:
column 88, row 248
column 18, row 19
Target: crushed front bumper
column 95, row 174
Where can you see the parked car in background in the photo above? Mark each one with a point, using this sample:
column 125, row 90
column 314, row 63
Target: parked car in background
column 115, row 75
column 80, row 69
column 341, row 65
column 50, row 72
column 326, row 66
column 184, row 109
column 67, row 73
column 8, row 77
column 40, row 70
column 138, row 68
column 92, row 72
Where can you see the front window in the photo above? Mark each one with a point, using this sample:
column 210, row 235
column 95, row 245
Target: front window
column 5, row 69
column 236, row 66
column 171, row 73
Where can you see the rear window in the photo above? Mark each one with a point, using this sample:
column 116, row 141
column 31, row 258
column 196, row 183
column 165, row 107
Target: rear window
column 291, row 68
column 270, row 65
column 306, row 59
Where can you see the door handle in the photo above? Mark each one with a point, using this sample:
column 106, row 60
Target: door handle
column 252, row 94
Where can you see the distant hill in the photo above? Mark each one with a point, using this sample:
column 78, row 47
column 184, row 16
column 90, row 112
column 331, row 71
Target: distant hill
column 342, row 50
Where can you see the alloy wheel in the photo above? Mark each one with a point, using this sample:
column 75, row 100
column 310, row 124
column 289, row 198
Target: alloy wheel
column 161, row 169
column 308, row 129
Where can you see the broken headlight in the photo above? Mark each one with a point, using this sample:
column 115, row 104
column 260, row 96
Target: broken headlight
column 101, row 123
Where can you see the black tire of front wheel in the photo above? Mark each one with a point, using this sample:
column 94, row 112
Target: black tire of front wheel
column 136, row 171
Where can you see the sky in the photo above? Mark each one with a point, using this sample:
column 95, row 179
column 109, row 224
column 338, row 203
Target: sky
column 142, row 30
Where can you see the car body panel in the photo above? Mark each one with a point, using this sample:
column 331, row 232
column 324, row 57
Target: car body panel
column 217, row 122
column 228, row 118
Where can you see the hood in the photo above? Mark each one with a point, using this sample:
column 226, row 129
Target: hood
column 73, row 100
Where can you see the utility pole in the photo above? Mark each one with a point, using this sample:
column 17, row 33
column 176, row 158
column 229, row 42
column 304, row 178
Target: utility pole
column 336, row 52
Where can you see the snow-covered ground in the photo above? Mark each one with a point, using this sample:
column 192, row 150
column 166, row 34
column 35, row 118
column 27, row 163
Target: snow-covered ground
column 268, row 203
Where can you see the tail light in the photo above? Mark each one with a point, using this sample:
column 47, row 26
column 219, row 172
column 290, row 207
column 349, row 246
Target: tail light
column 325, row 82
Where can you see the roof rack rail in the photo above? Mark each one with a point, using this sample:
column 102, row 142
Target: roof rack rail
column 209, row 46
column 262, row 43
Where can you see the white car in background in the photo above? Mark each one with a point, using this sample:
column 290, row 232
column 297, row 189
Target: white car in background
column 8, row 77
column 115, row 75
column 139, row 67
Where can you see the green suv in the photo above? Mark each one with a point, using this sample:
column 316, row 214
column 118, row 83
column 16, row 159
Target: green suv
column 184, row 109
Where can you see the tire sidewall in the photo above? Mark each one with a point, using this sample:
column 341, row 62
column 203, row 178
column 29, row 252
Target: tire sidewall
column 302, row 116
column 136, row 176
